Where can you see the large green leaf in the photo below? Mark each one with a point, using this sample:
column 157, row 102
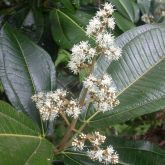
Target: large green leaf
column 30, row 21
column 81, row 17
column 130, row 153
column 20, row 139
column 123, row 23
column 138, row 75
column 144, row 6
column 65, row 30
column 25, row 69
column 68, row 4
column 127, row 8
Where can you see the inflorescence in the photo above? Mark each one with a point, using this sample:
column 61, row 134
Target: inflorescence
column 101, row 91
column 106, row 156
column 51, row 104
column 99, row 27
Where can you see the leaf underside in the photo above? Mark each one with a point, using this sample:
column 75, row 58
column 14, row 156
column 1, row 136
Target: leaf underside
column 138, row 75
column 25, row 69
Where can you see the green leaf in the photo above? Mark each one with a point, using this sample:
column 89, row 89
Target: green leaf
column 25, row 69
column 127, row 8
column 123, row 23
column 68, row 5
column 137, row 152
column 65, row 31
column 1, row 87
column 80, row 17
column 144, row 5
column 130, row 153
column 63, row 56
column 78, row 158
column 138, row 75
column 21, row 142
column 30, row 21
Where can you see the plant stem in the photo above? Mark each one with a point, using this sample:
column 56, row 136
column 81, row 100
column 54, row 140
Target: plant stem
column 67, row 135
column 65, row 118
column 72, row 125
column 82, row 127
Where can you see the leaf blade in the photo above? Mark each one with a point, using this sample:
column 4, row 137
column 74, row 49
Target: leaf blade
column 20, row 136
column 140, row 90
column 25, row 69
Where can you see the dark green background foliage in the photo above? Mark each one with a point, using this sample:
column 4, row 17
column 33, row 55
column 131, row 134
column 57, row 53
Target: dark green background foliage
column 35, row 41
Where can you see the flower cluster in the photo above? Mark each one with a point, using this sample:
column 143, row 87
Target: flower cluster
column 79, row 142
column 99, row 27
column 147, row 18
column 81, row 57
column 51, row 104
column 101, row 92
column 107, row 155
column 101, row 21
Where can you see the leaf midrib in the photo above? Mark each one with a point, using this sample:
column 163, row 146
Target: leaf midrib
column 4, row 65
column 19, row 135
column 127, row 11
column 71, row 20
column 149, row 69
column 119, row 113
column 26, row 63
column 74, row 23
column 58, row 19
column 152, row 67
column 34, row 152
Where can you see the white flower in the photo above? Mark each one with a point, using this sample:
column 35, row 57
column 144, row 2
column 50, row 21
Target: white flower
column 106, row 156
column 113, row 53
column 115, row 158
column 94, row 25
column 82, row 55
column 110, row 150
column 82, row 136
column 147, row 18
column 105, row 40
column 111, row 23
column 106, row 80
column 102, row 92
column 89, row 82
column 73, row 109
column 108, row 8
column 47, row 103
column 96, row 154
column 50, row 104
column 101, row 13
column 97, row 139
column 77, row 144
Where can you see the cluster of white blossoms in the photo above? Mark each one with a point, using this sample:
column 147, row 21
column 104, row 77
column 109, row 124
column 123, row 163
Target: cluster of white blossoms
column 147, row 18
column 102, row 93
column 99, row 23
column 82, row 56
column 106, row 156
column 99, row 27
column 51, row 104
column 99, row 89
